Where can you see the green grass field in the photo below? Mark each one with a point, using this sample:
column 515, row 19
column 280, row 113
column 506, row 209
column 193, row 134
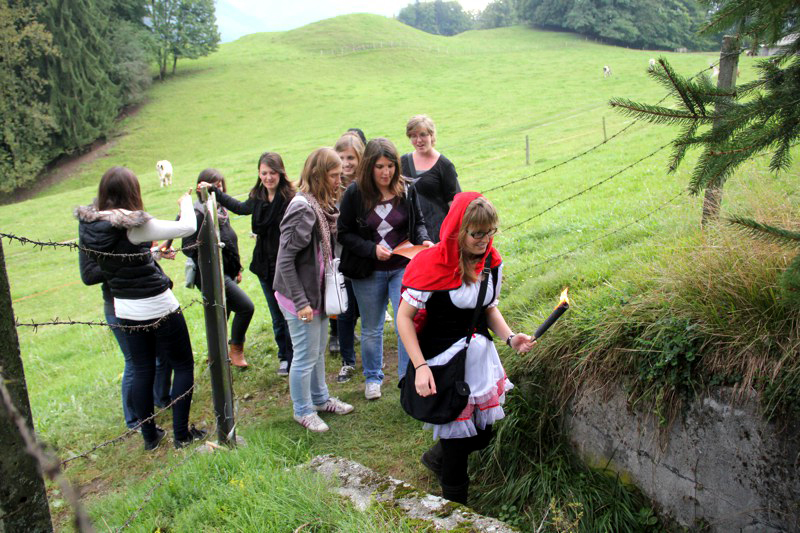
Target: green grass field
column 292, row 92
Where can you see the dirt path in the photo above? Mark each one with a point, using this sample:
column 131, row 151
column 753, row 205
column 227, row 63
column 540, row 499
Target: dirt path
column 64, row 167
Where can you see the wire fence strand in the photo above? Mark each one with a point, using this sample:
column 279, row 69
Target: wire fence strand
column 609, row 234
column 49, row 466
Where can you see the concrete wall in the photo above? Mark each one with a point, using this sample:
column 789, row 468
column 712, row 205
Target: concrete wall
column 720, row 466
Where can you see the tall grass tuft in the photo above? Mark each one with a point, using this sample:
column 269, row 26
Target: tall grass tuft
column 252, row 489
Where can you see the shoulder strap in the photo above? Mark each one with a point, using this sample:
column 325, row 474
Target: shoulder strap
column 412, row 171
column 481, row 296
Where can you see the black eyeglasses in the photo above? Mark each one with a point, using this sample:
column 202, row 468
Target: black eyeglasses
column 478, row 235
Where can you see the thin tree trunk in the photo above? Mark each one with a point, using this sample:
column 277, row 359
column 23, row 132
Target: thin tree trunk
column 728, row 64
column 23, row 500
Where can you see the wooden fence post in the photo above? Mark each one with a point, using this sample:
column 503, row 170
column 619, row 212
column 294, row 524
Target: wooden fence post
column 23, row 499
column 527, row 150
column 728, row 63
column 213, row 289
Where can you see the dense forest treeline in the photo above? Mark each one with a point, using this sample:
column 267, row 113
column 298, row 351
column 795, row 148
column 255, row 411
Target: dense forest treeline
column 657, row 24
column 68, row 67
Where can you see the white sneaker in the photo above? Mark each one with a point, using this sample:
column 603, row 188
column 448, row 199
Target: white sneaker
column 283, row 368
column 312, row 422
column 372, row 391
column 334, row 405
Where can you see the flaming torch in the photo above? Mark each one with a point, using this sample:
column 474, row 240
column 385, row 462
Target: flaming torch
column 560, row 309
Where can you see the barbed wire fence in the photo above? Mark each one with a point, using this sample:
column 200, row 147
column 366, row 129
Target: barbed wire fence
column 52, row 467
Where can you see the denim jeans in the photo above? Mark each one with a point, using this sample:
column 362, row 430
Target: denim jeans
column 170, row 341
column 279, row 328
column 242, row 308
column 373, row 294
column 161, row 383
column 307, row 385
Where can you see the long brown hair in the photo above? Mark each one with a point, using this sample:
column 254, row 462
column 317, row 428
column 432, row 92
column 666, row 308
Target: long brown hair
column 119, row 189
column 314, row 177
column 274, row 161
column 480, row 215
column 377, row 148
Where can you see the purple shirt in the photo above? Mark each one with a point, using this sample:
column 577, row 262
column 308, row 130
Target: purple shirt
column 389, row 226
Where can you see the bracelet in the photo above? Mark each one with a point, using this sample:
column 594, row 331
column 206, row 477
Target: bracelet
column 508, row 340
column 420, row 365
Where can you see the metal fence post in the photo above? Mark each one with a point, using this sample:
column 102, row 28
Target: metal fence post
column 23, row 499
column 214, row 309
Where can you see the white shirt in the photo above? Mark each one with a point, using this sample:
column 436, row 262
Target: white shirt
column 155, row 230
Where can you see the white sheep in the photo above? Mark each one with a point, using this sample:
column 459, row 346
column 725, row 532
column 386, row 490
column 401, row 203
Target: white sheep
column 164, row 169
column 606, row 71
column 652, row 63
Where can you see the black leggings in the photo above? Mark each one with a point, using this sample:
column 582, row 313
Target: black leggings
column 170, row 341
column 456, row 453
column 242, row 308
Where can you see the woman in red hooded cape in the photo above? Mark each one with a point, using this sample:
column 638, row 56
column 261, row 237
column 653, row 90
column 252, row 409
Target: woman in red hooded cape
column 444, row 281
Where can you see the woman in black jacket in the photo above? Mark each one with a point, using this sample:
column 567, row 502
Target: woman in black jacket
column 236, row 299
column 378, row 212
column 267, row 204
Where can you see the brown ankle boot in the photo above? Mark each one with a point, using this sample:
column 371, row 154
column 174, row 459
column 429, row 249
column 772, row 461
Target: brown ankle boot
column 236, row 355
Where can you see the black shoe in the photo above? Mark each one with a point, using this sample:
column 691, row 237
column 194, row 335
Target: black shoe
column 194, row 434
column 150, row 445
column 333, row 344
column 432, row 459
column 456, row 493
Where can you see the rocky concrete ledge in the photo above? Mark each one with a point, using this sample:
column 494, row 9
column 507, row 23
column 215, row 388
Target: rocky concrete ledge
column 364, row 486
column 721, row 468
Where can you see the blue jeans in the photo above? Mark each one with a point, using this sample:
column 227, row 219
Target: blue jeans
column 170, row 340
column 307, row 385
column 373, row 294
column 162, row 382
column 279, row 327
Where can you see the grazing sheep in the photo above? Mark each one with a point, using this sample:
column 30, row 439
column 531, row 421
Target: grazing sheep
column 652, row 63
column 606, row 71
column 164, row 169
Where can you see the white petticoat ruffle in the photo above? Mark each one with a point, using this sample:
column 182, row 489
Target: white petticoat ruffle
column 488, row 384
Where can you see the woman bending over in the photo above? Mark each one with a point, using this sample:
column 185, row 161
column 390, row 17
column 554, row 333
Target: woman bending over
column 236, row 300
column 118, row 225
column 444, row 281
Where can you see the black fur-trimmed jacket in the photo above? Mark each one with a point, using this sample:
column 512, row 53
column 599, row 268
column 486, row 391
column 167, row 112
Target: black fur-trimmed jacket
column 133, row 277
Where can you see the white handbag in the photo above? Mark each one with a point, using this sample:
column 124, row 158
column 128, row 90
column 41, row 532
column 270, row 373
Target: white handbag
column 335, row 291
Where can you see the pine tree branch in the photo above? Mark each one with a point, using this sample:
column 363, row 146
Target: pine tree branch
column 653, row 113
column 765, row 232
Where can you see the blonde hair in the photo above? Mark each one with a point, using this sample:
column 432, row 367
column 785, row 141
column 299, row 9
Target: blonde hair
column 350, row 140
column 421, row 122
column 314, row 177
column 480, row 215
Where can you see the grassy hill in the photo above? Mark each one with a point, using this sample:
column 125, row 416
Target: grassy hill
column 294, row 91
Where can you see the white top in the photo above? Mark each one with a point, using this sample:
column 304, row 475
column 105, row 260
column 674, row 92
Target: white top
column 156, row 230
column 483, row 370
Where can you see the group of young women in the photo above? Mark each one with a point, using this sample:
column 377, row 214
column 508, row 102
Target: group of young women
column 388, row 203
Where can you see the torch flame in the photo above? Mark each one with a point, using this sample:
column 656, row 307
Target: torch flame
column 564, row 297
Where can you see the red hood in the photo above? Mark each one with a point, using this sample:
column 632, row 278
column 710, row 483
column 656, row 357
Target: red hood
column 436, row 269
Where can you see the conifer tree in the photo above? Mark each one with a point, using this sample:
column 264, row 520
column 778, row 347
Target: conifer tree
column 25, row 119
column 757, row 117
column 83, row 98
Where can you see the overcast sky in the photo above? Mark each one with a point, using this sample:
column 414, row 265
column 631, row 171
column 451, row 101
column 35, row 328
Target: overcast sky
column 240, row 17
